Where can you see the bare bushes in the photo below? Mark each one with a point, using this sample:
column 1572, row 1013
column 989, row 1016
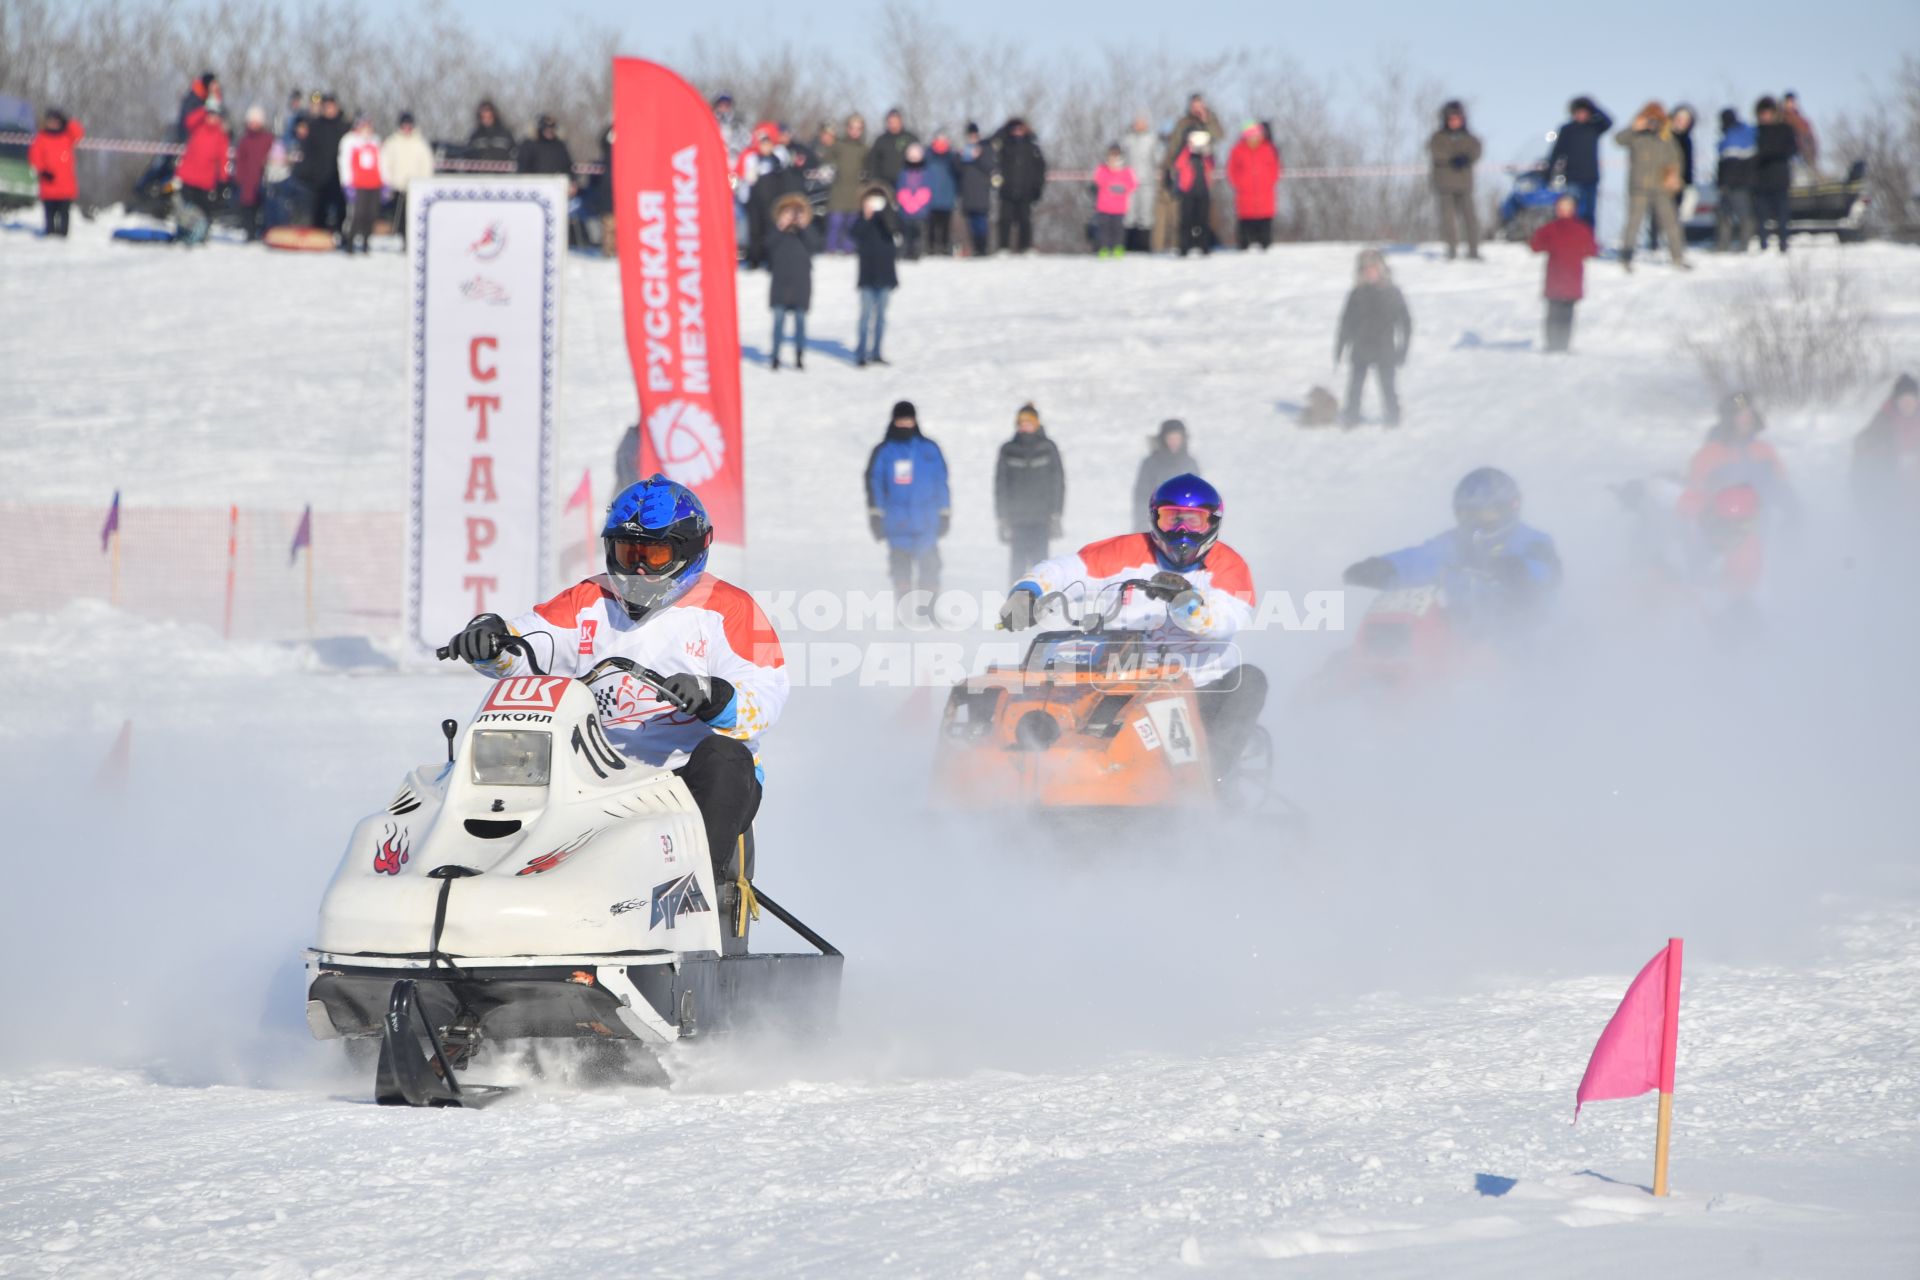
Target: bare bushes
column 1806, row 339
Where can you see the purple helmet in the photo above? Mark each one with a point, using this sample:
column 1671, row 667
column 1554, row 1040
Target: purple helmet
column 1183, row 519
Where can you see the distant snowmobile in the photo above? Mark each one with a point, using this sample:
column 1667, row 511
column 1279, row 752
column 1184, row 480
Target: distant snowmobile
column 1095, row 718
column 1404, row 642
column 541, row 885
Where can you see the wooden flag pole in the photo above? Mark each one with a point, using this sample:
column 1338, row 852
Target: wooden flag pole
column 1662, row 1136
column 1669, row 1044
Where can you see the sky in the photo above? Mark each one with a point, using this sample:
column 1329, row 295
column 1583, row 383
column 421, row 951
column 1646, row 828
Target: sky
column 1514, row 64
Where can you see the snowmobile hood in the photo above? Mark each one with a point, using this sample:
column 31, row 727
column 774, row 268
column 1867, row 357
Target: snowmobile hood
column 554, row 843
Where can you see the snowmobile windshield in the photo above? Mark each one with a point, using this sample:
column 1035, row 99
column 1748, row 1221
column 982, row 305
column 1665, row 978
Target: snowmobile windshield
column 512, row 757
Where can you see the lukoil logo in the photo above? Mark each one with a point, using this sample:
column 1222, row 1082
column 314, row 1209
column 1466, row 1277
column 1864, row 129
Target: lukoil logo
column 689, row 441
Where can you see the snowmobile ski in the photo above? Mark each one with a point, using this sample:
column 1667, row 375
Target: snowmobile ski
column 414, row 1075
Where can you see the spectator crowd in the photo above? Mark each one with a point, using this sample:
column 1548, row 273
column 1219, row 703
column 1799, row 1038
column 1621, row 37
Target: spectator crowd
column 897, row 196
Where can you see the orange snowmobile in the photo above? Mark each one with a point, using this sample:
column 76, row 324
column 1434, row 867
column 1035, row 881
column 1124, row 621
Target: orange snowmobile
column 1093, row 718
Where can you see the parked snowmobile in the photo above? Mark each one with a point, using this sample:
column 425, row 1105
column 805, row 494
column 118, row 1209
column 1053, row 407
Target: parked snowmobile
column 541, row 885
column 1528, row 204
column 1093, row 718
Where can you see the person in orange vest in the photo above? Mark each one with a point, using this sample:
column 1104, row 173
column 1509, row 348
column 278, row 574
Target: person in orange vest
column 1734, row 454
column 50, row 156
column 360, row 178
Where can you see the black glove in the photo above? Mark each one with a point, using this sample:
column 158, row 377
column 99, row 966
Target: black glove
column 946, row 522
column 1167, row 586
column 1017, row 613
column 1374, row 571
column 877, row 521
column 1459, row 162
column 46, row 175
column 705, row 698
column 482, row 640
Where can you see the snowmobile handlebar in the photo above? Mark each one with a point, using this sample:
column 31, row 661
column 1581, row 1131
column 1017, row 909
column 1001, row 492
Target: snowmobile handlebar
column 1094, row 620
column 645, row 675
column 508, row 644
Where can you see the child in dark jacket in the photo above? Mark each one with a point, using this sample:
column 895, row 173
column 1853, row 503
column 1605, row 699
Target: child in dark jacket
column 1029, row 492
column 790, row 259
column 1377, row 328
column 1568, row 243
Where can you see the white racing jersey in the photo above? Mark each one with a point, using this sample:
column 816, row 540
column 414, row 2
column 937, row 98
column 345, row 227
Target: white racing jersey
column 714, row 630
column 1222, row 581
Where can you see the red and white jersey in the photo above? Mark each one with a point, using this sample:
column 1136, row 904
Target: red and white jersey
column 360, row 162
column 715, row 629
column 1222, row 579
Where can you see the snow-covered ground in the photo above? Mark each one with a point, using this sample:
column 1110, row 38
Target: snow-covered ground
column 1209, row 1048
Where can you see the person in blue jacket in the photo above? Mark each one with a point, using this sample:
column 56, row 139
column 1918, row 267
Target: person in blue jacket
column 907, row 502
column 1576, row 154
column 1495, row 571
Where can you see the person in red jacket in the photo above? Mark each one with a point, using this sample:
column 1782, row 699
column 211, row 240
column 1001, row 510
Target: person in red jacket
column 1568, row 242
column 1734, row 454
column 204, row 166
column 50, row 156
column 250, row 155
column 361, row 179
column 1253, row 169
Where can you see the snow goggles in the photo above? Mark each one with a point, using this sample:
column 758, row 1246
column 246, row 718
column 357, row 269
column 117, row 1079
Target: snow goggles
column 1189, row 519
column 644, row 557
column 1488, row 518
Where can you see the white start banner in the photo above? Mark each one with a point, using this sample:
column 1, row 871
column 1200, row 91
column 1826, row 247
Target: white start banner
column 486, row 257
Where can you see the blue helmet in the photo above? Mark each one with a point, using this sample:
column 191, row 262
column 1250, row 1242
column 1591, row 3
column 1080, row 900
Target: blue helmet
column 1486, row 503
column 656, row 537
column 1190, row 536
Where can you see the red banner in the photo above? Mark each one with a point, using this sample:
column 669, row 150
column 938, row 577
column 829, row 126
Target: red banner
column 673, row 214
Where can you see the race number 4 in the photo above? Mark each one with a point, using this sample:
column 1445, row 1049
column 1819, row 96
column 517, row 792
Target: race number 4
column 1172, row 719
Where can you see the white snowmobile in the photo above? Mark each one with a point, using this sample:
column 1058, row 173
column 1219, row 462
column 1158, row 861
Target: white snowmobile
column 542, row 885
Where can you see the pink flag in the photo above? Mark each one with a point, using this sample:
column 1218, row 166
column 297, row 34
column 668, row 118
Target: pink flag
column 112, row 526
column 1636, row 1051
column 302, row 536
column 583, row 492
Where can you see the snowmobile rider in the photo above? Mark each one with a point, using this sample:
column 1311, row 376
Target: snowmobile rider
column 1734, row 454
column 657, row 605
column 1494, row 569
column 1202, row 594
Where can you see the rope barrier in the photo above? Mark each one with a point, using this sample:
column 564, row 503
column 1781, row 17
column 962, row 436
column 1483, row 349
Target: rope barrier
column 128, row 146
